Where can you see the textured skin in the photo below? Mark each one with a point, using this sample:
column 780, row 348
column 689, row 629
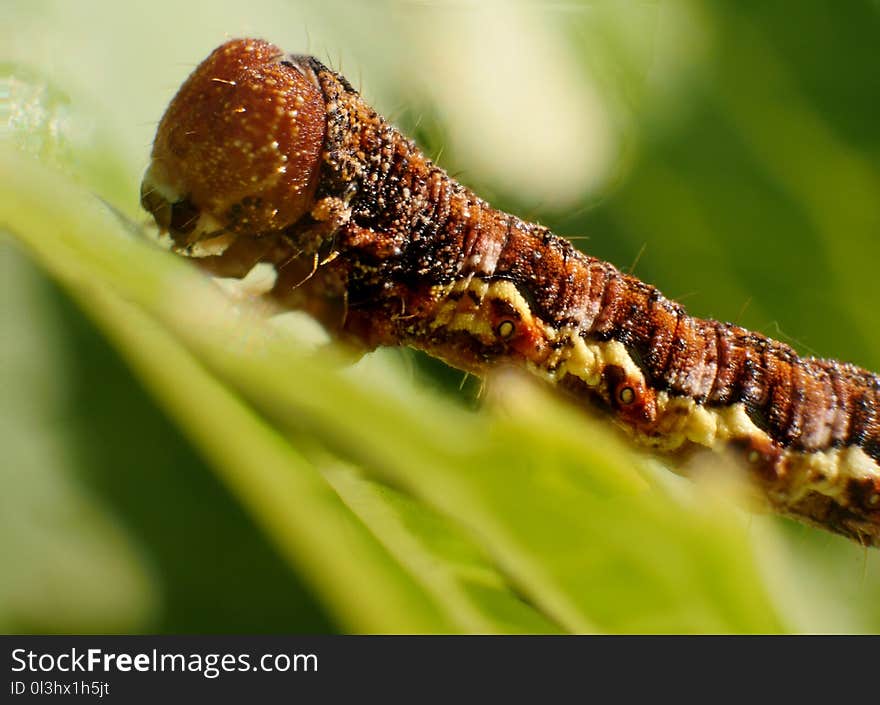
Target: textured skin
column 385, row 248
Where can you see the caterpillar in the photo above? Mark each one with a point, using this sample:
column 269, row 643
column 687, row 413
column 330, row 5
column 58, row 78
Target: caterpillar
column 265, row 159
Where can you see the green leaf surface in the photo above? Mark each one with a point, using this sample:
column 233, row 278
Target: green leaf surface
column 555, row 501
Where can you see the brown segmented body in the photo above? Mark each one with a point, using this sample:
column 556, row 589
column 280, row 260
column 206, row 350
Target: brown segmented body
column 266, row 158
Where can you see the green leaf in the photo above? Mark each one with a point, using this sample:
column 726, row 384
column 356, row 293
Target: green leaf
column 546, row 505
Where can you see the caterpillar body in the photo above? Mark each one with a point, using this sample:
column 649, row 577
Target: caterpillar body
column 274, row 159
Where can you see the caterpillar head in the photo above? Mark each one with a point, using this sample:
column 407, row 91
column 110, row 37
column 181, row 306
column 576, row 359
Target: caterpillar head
column 238, row 150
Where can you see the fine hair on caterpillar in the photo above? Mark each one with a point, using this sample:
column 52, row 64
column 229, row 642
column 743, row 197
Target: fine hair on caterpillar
column 273, row 159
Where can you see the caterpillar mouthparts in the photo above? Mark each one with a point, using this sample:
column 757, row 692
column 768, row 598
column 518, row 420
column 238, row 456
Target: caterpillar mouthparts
column 268, row 158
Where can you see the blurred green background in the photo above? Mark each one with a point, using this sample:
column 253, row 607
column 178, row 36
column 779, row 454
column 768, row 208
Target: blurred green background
column 725, row 151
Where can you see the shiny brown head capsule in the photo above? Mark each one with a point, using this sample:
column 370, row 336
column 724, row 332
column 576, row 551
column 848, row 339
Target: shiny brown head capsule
column 239, row 147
